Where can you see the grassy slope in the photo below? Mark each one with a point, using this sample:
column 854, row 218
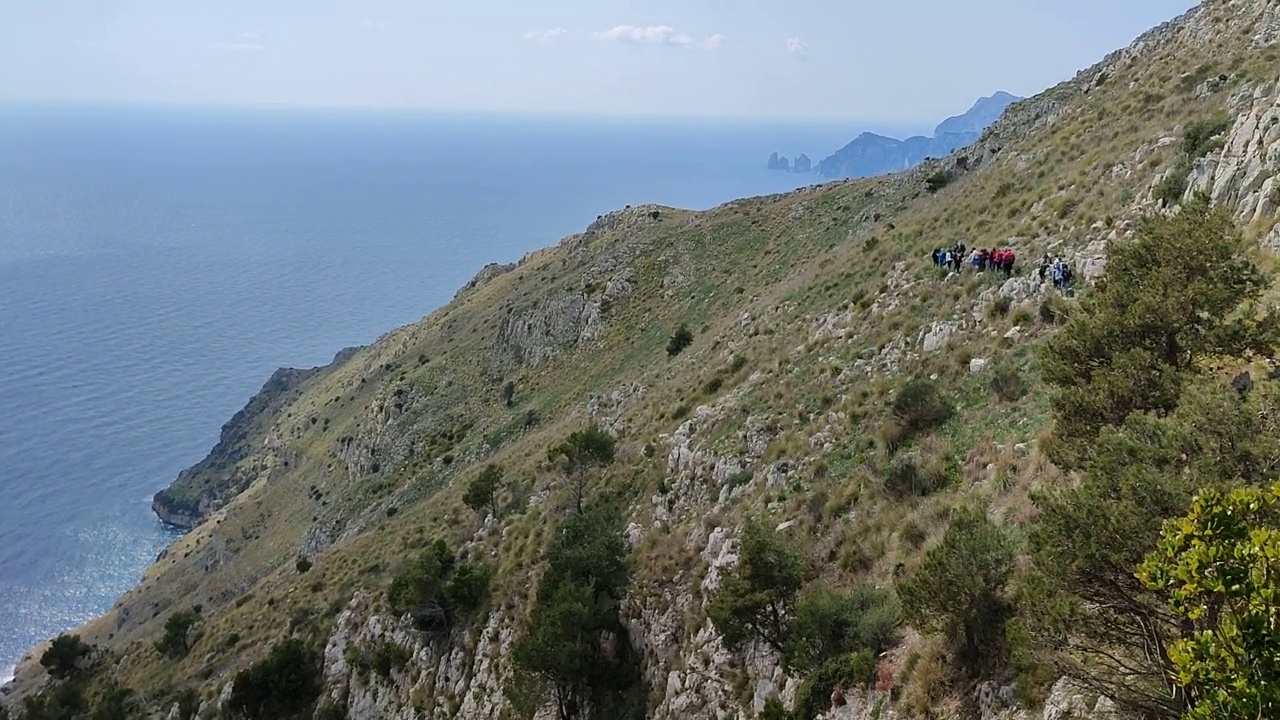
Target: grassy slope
column 849, row 256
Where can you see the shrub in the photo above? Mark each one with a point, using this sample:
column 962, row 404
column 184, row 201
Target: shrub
column 1173, row 185
column 775, row 710
column 64, row 655
column 176, row 641
column 919, row 406
column 482, row 491
column 937, row 180
column 508, row 393
column 758, row 597
column 681, row 339
column 713, row 385
column 959, row 587
column 283, row 685
column 389, row 656
column 999, row 307
column 828, row 625
column 910, row 476
column 814, row 695
column 1202, row 137
column 1006, row 383
column 303, row 564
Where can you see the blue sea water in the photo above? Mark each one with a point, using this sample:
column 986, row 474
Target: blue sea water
column 157, row 264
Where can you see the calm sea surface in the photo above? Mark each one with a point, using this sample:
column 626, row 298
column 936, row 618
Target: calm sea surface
column 157, row 265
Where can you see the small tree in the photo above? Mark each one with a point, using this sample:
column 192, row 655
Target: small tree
column 681, row 339
column 1219, row 566
column 63, row 657
column 285, row 684
column 509, row 392
column 482, row 491
column 580, row 452
column 757, row 598
column 959, row 588
column 176, row 641
column 575, row 641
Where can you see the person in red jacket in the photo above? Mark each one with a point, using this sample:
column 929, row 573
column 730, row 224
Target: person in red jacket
column 1009, row 258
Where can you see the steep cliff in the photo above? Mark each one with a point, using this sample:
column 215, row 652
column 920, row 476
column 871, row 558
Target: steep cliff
column 807, row 313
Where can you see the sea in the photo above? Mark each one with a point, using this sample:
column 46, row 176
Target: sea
column 158, row 263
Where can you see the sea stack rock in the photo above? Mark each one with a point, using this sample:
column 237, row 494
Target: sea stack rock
column 778, row 163
column 802, row 164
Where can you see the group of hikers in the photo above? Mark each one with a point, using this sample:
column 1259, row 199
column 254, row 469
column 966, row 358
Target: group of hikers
column 982, row 259
column 1058, row 270
column 1001, row 260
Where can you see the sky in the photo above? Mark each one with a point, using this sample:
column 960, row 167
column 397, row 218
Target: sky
column 906, row 61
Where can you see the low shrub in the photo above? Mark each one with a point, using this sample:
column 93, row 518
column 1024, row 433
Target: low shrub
column 847, row 671
column 680, row 339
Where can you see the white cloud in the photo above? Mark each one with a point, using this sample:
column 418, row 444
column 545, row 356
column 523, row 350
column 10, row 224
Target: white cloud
column 798, row 47
column 370, row 24
column 545, row 36
column 657, row 35
column 251, row 36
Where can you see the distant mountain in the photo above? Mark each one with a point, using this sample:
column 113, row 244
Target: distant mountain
column 871, row 154
column 984, row 112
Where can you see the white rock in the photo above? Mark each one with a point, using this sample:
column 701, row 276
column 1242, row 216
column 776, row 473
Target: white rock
column 977, row 365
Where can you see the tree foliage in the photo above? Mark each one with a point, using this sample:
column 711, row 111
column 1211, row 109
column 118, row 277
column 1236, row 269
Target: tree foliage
column 757, row 598
column 680, row 339
column 176, row 641
column 1220, row 566
column 435, row 590
column 63, row 657
column 582, row 451
column 1182, row 292
column 1142, row 409
column 285, row 684
column 482, row 491
column 575, row 641
column 829, row 624
column 959, row 589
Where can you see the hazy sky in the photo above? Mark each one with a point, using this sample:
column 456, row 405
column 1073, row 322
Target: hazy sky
column 892, row 60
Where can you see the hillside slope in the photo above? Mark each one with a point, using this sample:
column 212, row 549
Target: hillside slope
column 808, row 312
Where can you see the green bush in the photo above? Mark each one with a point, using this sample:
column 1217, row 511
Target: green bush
column 681, row 339
column 1202, row 137
column 285, row 684
column 64, row 656
column 302, row 565
column 436, row 591
column 937, row 180
column 919, row 406
column 1007, row 384
column 1173, row 185
column 775, row 710
column 959, row 589
column 389, row 656
column 577, row 605
column 814, row 694
column 999, row 307
column 757, row 597
column 482, row 492
column 176, row 641
column 828, row 625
